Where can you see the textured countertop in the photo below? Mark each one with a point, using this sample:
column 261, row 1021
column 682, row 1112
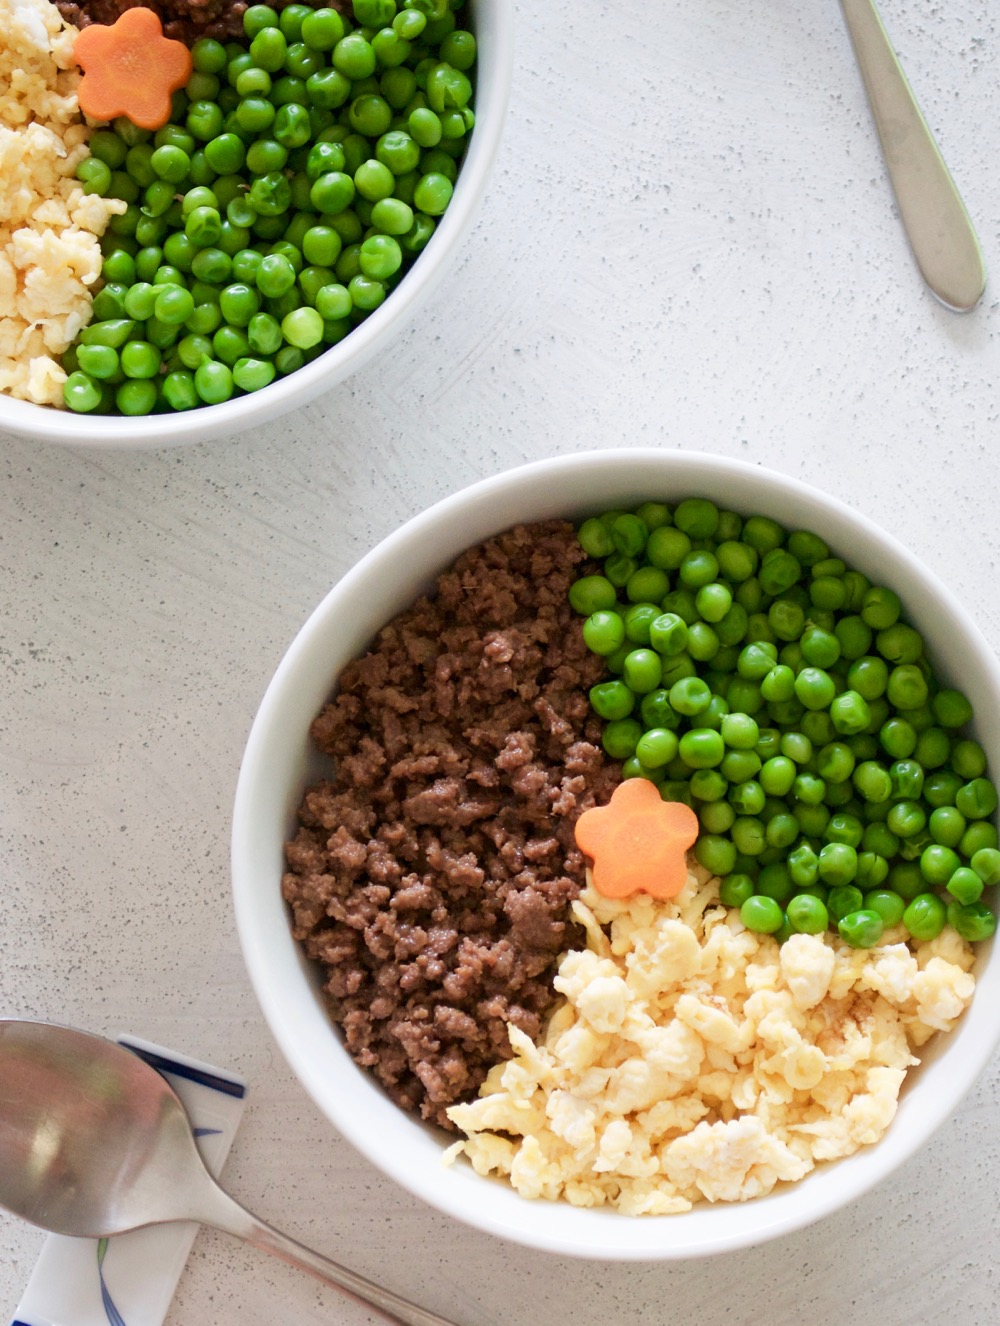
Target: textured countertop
column 689, row 242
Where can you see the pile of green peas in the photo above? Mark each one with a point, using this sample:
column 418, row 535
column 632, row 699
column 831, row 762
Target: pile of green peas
column 758, row 678
column 300, row 175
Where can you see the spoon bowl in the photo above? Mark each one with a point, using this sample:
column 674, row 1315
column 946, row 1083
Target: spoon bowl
column 94, row 1142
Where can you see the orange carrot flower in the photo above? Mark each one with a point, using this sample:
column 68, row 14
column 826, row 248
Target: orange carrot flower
column 130, row 69
column 638, row 841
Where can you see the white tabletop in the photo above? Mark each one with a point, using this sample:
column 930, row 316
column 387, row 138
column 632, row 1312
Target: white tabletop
column 690, row 242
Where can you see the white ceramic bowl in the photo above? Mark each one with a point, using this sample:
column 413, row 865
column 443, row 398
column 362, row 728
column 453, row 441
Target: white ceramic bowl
column 493, row 22
column 278, row 764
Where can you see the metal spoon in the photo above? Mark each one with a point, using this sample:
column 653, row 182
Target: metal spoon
column 942, row 237
column 94, row 1142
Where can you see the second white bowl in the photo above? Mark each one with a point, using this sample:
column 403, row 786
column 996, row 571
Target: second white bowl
column 279, row 764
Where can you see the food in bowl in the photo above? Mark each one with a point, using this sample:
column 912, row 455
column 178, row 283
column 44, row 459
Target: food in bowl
column 50, row 255
column 280, row 198
column 806, row 971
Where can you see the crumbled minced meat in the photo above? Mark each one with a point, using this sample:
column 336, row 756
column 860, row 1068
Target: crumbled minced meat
column 183, row 20
column 433, row 875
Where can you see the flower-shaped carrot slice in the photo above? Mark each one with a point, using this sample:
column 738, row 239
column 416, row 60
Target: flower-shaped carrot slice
column 130, row 69
column 638, row 841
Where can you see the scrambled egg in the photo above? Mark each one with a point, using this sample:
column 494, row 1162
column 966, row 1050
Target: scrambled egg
column 693, row 1060
column 49, row 229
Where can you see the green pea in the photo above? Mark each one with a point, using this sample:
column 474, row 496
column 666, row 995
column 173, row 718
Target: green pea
column 925, row 916
column 603, row 632
column 251, row 374
column 656, row 747
column 98, row 361
column 977, row 799
column 873, row 870
column 702, row 748
column 81, row 394
column 178, row 390
column 973, row 921
column 763, row 534
column 656, row 710
column 941, row 788
column 965, row 885
column 594, row 537
column 933, row 743
column 828, row 593
column 938, row 864
column 713, row 601
column 774, row 881
column 906, row 818
column 808, row 915
column 861, row 929
column 735, row 889
column 612, row 699
column 812, row 789
column 170, row 163
column 620, row 738
column 777, row 775
column 705, row 784
column 906, row 879
column 139, row 359
column 781, row 830
column 748, row 832
column 946, row 824
column 213, row 382
column 589, row 594
column 889, row 905
column 844, row 899
column 907, row 687
column 667, row 547
column 136, row 397
column 740, row 731
column 812, row 819
column 717, row 816
column 881, row 608
column 837, row 864
column 715, row 853
column 762, row 915
column 737, row 561
column 778, row 685
column 968, row 759
column 642, row 672
column 619, row 568
column 647, row 585
column 322, row 29
column 898, row 738
column 951, row 708
column 779, row 571
column 977, row 836
column 629, row 533
column 907, row 779
column 803, row 866
column 814, row 688
column 986, row 864
column 668, row 634
column 900, row 643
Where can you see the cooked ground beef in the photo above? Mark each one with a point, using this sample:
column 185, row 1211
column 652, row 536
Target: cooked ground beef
column 432, row 875
column 183, row 20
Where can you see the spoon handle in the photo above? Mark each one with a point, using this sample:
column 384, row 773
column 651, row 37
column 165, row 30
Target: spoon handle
column 940, row 232
column 223, row 1212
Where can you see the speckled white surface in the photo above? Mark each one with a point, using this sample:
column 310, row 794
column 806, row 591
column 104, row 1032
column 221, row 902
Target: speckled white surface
column 689, row 241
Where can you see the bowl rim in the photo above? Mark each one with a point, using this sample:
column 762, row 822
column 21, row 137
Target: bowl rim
column 495, row 68
column 558, row 1227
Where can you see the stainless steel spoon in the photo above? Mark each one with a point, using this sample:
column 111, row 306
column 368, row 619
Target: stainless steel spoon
column 94, row 1142
column 941, row 235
